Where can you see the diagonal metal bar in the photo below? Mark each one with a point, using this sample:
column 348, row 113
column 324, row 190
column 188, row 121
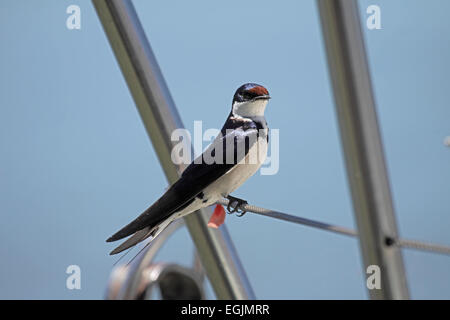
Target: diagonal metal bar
column 160, row 118
column 366, row 169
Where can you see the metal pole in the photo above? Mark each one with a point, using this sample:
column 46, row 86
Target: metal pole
column 366, row 169
column 160, row 118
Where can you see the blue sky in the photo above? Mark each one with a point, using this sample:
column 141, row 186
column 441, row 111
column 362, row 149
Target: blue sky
column 76, row 164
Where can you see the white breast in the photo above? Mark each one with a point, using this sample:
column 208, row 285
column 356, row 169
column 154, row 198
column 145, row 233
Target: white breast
column 232, row 180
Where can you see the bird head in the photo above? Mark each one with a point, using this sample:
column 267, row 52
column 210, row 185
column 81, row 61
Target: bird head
column 250, row 101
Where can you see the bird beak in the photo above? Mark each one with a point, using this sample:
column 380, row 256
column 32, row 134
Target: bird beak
column 264, row 97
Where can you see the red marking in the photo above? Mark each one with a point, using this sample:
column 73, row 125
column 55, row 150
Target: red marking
column 217, row 218
column 259, row 91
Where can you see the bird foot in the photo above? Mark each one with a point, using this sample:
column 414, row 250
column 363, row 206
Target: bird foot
column 235, row 205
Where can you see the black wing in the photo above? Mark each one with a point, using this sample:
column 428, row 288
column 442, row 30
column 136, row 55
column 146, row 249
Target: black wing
column 197, row 176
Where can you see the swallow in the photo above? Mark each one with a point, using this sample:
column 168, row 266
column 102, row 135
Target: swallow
column 234, row 156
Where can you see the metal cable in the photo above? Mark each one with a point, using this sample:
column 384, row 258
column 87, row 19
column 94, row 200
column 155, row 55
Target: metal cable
column 294, row 219
column 424, row 246
column 404, row 243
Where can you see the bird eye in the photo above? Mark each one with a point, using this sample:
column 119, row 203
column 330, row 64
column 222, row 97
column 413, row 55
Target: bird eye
column 247, row 96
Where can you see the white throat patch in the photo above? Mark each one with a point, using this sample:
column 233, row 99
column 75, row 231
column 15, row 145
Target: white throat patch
column 249, row 109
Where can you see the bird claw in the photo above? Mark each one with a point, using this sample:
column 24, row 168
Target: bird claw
column 235, row 205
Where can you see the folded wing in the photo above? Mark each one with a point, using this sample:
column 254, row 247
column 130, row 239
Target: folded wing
column 194, row 180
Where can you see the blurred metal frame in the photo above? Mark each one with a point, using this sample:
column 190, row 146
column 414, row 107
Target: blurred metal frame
column 160, row 117
column 130, row 282
column 361, row 140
